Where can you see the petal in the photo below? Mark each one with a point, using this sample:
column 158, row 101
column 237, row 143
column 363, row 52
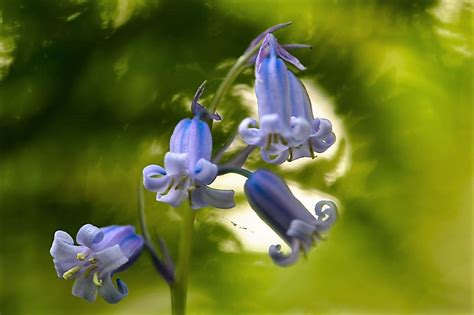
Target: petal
column 326, row 211
column 272, row 123
column 272, row 89
column 222, row 199
column 251, row 136
column 84, row 288
column 110, row 293
column 300, row 102
column 205, row 172
column 88, row 235
column 153, row 183
column 179, row 138
column 272, row 200
column 300, row 130
column 63, row 246
column 115, row 234
column 322, row 144
column 322, row 127
column 64, row 252
column 285, row 260
column 277, row 158
column 200, row 142
column 176, row 163
column 132, row 248
column 302, row 231
column 174, row 197
column 110, row 259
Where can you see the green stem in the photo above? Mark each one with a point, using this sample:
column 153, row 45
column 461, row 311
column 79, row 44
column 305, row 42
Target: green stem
column 180, row 287
column 233, row 73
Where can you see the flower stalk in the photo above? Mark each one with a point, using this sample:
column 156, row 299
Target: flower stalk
column 180, row 286
column 179, row 289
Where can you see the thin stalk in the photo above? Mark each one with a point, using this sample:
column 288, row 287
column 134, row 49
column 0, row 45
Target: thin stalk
column 233, row 73
column 179, row 288
column 236, row 170
column 164, row 268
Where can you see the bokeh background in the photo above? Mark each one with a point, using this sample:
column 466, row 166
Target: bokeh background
column 90, row 92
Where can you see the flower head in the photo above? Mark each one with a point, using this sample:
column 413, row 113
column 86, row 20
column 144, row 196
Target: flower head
column 100, row 253
column 287, row 125
column 274, row 203
column 321, row 136
column 188, row 167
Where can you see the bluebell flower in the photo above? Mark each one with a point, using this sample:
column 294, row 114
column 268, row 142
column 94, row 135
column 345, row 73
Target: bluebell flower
column 274, row 203
column 188, row 167
column 321, row 136
column 100, row 253
column 287, row 125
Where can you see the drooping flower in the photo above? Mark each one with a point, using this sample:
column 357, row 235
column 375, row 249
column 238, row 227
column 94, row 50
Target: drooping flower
column 274, row 203
column 100, row 253
column 278, row 129
column 288, row 129
column 188, row 167
column 322, row 136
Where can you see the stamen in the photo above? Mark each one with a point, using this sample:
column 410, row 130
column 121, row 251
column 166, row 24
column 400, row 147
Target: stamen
column 311, row 150
column 181, row 182
column 269, row 142
column 92, row 260
column 170, row 185
column 283, row 140
column 81, row 256
column 290, row 156
column 276, row 138
column 71, row 272
column 89, row 270
column 96, row 280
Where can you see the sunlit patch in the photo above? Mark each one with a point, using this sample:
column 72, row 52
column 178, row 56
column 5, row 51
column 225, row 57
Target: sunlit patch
column 8, row 40
column 448, row 10
column 115, row 13
column 453, row 29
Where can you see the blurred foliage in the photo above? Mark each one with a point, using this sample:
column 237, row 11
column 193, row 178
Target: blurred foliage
column 90, row 92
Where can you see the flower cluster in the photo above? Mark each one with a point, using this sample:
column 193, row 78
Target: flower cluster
column 286, row 130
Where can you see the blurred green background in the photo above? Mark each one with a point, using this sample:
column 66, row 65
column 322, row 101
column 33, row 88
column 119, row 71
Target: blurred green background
column 90, row 92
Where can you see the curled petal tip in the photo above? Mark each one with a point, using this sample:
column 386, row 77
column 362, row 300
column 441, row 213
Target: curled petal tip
column 113, row 294
column 89, row 235
column 327, row 213
column 285, row 260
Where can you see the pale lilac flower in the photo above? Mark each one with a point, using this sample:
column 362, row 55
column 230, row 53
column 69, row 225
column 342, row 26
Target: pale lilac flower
column 100, row 253
column 322, row 136
column 288, row 129
column 274, row 203
column 188, row 168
